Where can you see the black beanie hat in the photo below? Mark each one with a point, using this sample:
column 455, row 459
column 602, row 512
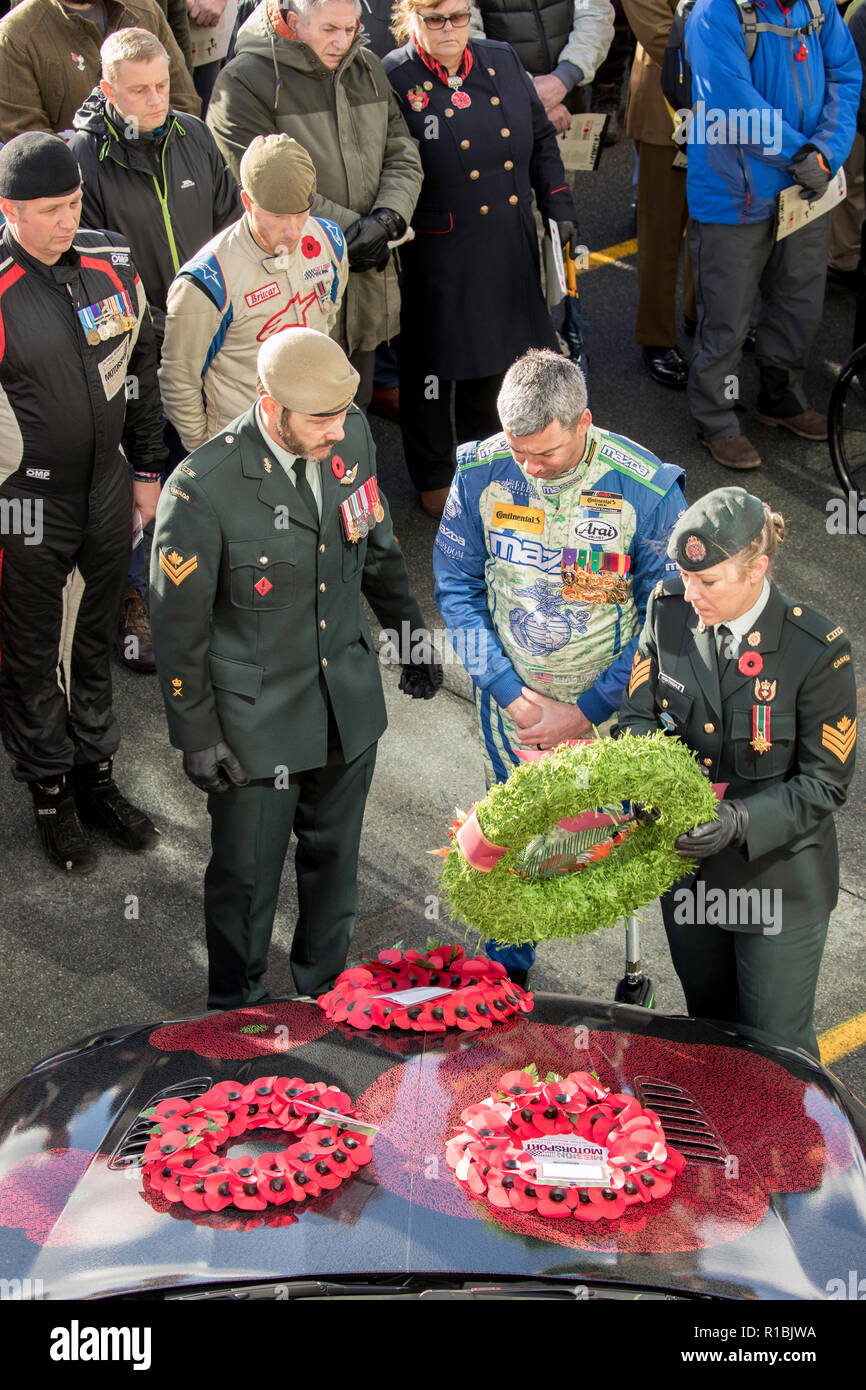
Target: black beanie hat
column 37, row 165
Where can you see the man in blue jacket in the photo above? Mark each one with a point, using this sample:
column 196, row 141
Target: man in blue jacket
column 787, row 116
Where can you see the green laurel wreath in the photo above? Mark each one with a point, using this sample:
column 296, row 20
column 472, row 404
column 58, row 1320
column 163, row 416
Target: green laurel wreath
column 655, row 769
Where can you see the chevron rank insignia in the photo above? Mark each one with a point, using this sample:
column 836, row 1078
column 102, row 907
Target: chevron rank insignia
column 840, row 738
column 640, row 672
column 176, row 567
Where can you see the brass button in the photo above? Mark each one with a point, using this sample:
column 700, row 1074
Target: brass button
column 708, row 762
column 428, row 86
column 505, row 132
column 798, row 612
column 509, row 164
column 323, row 624
column 448, row 111
column 664, row 704
column 494, row 101
column 321, row 550
column 709, row 728
column 324, row 661
column 473, row 174
column 321, row 588
column 484, row 209
column 230, row 439
column 263, row 559
column 464, row 144
column 513, row 199
column 492, row 72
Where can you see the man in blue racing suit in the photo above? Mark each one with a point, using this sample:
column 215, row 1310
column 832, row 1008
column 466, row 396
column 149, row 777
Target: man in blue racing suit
column 552, row 539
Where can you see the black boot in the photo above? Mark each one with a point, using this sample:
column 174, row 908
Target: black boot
column 519, row 977
column 60, row 830
column 100, row 803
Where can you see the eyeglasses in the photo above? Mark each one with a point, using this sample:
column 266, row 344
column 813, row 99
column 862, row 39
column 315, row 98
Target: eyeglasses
column 438, row 21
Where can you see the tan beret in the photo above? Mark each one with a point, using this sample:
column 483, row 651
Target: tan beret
column 306, row 371
column 278, row 175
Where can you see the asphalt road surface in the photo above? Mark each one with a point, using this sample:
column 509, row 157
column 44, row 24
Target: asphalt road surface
column 127, row 943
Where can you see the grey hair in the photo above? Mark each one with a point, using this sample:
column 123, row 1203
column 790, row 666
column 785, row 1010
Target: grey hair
column 540, row 387
column 304, row 8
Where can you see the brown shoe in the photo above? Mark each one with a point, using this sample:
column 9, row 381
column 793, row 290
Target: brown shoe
column 733, row 451
column 133, row 640
column 809, row 424
column 433, row 503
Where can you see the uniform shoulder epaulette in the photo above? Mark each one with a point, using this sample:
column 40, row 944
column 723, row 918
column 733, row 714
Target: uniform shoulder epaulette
column 210, row 455
column 671, row 587
column 815, row 624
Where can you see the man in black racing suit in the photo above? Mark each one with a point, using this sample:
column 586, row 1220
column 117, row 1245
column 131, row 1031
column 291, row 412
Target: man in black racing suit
column 75, row 340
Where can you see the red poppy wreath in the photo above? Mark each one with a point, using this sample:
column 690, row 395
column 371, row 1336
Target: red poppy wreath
column 470, row 992
column 518, row 1149
column 182, row 1163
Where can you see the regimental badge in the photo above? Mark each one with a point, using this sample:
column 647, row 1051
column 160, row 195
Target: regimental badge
column 765, row 690
column 640, row 672
column 761, row 728
column 264, row 586
column 667, row 722
column 695, row 549
column 753, row 639
column 417, row 98
column 176, row 567
column 267, row 465
column 349, row 476
column 177, row 687
column 840, row 738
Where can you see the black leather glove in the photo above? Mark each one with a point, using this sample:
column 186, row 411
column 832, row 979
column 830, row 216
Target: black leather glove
column 214, row 769
column 730, row 829
column 811, row 171
column 422, row 676
column 568, row 233
column 367, row 239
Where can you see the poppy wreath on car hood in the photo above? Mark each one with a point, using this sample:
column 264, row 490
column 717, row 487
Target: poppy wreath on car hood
column 490, row 1155
column 181, row 1160
column 479, row 993
column 485, row 876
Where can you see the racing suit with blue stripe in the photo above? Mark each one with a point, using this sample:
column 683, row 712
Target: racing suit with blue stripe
column 504, row 588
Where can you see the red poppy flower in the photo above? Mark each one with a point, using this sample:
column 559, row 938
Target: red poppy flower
column 310, row 247
column 338, row 468
column 750, row 664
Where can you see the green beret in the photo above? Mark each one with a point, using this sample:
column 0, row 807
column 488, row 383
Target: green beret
column 715, row 528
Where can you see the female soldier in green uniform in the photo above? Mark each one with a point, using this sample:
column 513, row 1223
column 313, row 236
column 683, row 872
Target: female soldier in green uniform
column 762, row 689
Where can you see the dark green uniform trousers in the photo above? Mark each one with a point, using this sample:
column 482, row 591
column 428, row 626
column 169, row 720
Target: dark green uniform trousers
column 763, row 979
column 250, row 831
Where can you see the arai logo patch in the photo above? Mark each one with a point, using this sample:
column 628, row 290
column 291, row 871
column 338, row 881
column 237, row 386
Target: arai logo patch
column 594, row 530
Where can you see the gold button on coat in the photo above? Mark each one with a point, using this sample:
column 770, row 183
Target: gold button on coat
column 494, row 101
column 473, row 174
column 492, row 72
column 428, row 86
column 513, row 199
column 709, row 728
column 798, row 612
column 323, row 624
column 509, row 164
column 448, row 111
column 321, row 550
column 664, row 704
column 263, row 559
column 464, row 144
column 324, row 661
column 321, row 588
column 505, row 132
column 708, row 762
column 484, row 209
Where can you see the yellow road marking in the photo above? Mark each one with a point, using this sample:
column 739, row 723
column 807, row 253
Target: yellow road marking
column 844, row 1038
column 609, row 255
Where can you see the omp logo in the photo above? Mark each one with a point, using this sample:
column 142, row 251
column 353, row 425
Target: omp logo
column 38, row 472
column 77, row 1343
column 523, row 552
column 119, row 258
column 595, row 531
column 643, row 470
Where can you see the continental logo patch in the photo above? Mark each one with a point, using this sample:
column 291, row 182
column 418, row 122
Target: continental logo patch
column 511, row 518
column 831, row 636
column 640, row 672
column 176, row 567
column 840, row 738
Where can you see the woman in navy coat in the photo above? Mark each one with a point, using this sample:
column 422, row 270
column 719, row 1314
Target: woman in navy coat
column 471, row 290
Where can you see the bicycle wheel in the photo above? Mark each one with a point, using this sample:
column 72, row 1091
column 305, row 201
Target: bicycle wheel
column 846, row 424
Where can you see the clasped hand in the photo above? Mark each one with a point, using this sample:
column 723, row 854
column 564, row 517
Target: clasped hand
column 543, row 723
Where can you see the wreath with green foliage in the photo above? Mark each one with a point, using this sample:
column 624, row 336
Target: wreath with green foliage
column 655, row 770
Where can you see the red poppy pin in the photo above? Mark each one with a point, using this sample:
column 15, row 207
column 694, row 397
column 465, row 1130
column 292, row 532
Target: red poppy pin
column 461, row 99
column 417, row 98
column 338, row 467
column 310, row 247
column 750, row 664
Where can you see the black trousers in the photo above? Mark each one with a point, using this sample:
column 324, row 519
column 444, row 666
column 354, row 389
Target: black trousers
column 426, row 424
column 250, row 831
column 59, row 601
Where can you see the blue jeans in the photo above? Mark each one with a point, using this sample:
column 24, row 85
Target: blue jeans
column 512, row 957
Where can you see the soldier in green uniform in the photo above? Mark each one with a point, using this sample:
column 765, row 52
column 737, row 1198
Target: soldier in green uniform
column 762, row 689
column 265, row 539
